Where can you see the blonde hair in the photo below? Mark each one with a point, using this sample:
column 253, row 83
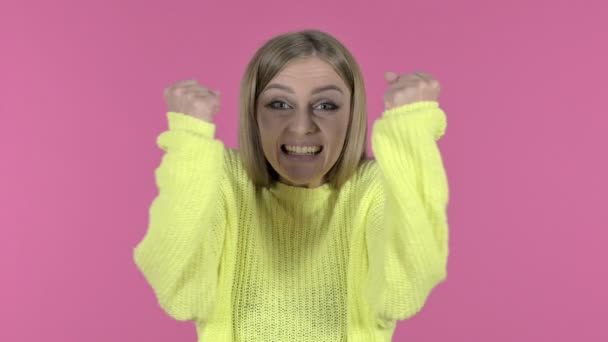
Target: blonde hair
column 265, row 64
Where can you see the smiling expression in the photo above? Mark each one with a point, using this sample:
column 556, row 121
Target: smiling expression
column 302, row 115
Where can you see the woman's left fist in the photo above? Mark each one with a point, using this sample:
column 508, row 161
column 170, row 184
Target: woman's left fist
column 409, row 88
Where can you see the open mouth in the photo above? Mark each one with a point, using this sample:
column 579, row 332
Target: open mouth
column 302, row 150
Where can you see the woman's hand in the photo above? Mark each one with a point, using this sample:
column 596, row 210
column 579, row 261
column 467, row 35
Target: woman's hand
column 409, row 88
column 189, row 97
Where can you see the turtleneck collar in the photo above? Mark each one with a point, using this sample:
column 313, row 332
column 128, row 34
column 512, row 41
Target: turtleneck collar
column 303, row 197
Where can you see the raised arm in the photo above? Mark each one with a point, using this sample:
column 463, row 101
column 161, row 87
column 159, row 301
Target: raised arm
column 180, row 252
column 407, row 237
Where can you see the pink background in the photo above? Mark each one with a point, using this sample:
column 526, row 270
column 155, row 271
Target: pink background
column 523, row 85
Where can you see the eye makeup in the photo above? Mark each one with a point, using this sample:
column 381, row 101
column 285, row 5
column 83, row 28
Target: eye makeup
column 279, row 105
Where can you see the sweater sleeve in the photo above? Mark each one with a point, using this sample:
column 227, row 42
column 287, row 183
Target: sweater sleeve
column 179, row 255
column 408, row 241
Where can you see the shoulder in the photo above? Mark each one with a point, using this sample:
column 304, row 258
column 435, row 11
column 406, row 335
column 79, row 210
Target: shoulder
column 368, row 173
column 232, row 161
column 364, row 190
column 236, row 177
column 368, row 168
column 367, row 180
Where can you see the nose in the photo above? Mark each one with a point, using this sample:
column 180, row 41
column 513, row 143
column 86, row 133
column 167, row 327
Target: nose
column 303, row 123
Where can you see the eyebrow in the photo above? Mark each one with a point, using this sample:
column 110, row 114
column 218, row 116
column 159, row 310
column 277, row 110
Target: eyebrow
column 314, row 91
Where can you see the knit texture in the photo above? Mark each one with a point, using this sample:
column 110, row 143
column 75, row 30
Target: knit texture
column 296, row 264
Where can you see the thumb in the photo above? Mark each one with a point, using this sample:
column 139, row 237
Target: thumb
column 390, row 76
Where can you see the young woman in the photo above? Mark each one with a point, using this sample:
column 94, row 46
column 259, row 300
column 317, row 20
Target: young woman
column 298, row 236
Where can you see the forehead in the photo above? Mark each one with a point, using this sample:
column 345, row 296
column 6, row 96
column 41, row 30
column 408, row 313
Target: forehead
column 308, row 72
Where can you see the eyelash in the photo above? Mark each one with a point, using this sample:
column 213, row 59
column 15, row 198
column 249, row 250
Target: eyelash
column 270, row 105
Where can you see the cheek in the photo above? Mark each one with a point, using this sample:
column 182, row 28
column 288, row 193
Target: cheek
column 267, row 138
column 337, row 135
column 265, row 123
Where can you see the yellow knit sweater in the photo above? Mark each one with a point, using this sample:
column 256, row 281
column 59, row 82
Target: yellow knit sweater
column 297, row 264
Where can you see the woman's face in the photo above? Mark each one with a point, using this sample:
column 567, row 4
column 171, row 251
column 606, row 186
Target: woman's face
column 303, row 115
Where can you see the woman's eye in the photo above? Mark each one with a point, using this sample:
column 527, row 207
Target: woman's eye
column 272, row 104
column 331, row 108
column 279, row 105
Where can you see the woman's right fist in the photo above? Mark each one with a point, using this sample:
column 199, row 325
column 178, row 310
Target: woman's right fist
column 189, row 97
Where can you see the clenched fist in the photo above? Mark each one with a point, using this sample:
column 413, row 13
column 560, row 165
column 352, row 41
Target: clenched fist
column 409, row 88
column 191, row 98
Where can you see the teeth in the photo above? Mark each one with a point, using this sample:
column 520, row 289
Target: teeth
column 302, row 149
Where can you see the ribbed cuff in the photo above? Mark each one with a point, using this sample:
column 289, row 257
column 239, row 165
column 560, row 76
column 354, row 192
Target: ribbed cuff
column 411, row 107
column 181, row 121
column 428, row 113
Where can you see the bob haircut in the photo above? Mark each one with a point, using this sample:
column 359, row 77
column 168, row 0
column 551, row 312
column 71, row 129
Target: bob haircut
column 267, row 62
